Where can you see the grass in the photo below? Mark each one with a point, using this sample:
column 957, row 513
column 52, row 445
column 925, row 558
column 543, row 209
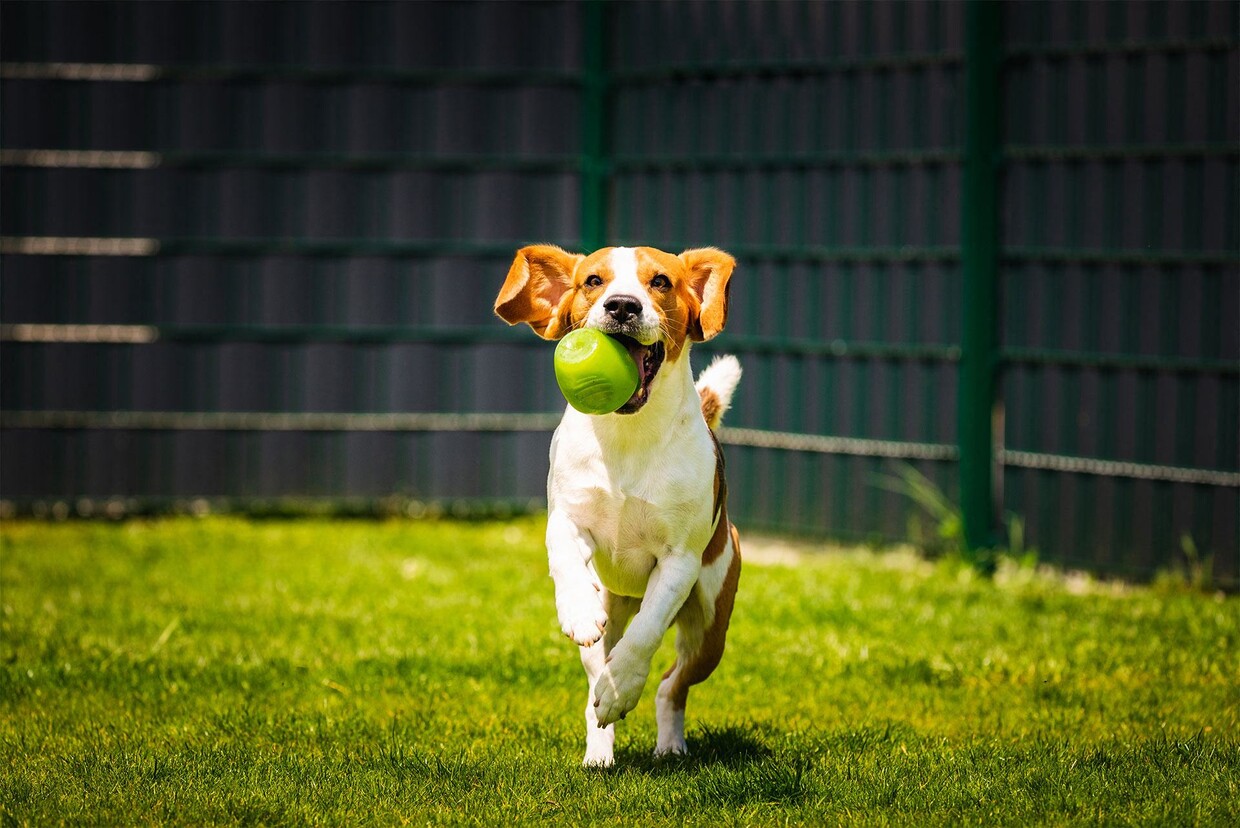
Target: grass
column 223, row 671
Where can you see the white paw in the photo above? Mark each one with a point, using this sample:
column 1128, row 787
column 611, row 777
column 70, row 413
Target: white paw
column 672, row 749
column 584, row 620
column 618, row 690
column 598, row 758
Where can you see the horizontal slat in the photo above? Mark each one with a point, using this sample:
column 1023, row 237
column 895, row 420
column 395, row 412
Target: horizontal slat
column 842, row 349
column 1120, row 48
column 110, row 334
column 74, row 246
column 730, row 70
column 789, row 161
column 116, row 507
column 278, row 421
column 326, row 421
column 147, row 72
column 1161, row 258
column 822, row 254
column 70, row 246
column 81, row 159
column 1126, row 152
column 1121, row 362
column 463, row 335
column 78, row 246
column 275, row 334
column 366, row 162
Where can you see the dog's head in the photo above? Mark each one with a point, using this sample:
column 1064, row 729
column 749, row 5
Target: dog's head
column 651, row 301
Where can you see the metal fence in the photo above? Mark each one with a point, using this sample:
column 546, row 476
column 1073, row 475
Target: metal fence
column 249, row 252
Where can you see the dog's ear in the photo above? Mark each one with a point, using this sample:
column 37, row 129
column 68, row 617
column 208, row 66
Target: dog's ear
column 537, row 282
column 710, row 277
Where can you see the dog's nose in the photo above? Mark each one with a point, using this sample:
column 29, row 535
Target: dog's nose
column 622, row 307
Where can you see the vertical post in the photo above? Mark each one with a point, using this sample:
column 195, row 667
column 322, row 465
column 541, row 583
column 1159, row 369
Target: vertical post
column 979, row 268
column 594, row 127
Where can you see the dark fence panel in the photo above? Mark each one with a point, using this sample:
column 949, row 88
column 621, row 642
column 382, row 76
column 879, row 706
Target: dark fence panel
column 249, row 252
column 1120, row 281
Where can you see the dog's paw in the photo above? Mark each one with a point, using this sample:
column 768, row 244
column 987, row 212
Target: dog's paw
column 675, row 747
column 584, row 621
column 599, row 758
column 618, row 690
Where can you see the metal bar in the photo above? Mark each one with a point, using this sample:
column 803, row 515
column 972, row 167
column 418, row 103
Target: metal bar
column 1121, row 152
column 436, row 422
column 979, row 266
column 785, row 161
column 279, row 421
column 594, row 169
column 843, row 349
column 1121, row 362
column 1158, row 258
column 295, row 161
column 214, row 246
column 281, row 334
column 784, row 68
column 829, row 444
column 1119, row 49
column 1119, row 468
column 114, row 508
column 147, row 72
column 820, row 254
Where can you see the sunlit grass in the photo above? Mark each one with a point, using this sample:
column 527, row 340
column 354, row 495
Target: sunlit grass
column 202, row 671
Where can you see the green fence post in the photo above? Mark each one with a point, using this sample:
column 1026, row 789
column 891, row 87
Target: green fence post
column 593, row 127
column 979, row 270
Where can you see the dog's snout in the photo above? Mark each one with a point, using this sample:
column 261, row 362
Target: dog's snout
column 622, row 307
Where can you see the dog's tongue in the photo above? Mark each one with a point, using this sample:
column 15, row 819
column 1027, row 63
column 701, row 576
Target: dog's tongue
column 638, row 353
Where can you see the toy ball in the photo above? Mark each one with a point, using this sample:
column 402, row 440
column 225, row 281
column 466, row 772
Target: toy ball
column 595, row 372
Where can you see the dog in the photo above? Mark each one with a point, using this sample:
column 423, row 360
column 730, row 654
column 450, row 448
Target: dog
column 638, row 536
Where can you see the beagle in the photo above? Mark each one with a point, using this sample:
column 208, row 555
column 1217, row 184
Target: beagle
column 638, row 536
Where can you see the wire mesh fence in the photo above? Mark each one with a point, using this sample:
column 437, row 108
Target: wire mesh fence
column 249, row 252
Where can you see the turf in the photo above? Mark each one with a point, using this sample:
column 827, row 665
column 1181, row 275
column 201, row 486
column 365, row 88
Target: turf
column 221, row 671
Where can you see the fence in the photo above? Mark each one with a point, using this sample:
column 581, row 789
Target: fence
column 249, row 252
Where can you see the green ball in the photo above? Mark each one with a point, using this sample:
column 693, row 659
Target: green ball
column 595, row 372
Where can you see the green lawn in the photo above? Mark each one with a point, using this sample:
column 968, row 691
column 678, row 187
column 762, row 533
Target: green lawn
column 222, row 671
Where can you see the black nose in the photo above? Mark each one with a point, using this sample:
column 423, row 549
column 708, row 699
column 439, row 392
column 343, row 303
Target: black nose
column 622, row 308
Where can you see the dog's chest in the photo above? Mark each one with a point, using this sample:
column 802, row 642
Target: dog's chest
column 629, row 536
column 636, row 508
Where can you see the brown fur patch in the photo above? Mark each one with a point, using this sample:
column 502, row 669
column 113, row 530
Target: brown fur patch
column 712, row 408
column 698, row 667
column 718, row 540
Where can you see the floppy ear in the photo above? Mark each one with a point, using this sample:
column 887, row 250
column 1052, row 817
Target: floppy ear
column 538, row 280
column 710, row 276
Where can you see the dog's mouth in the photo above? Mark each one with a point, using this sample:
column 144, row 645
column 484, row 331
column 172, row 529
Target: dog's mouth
column 649, row 359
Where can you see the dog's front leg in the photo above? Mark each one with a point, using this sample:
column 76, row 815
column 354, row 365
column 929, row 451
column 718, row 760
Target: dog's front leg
column 578, row 602
column 628, row 665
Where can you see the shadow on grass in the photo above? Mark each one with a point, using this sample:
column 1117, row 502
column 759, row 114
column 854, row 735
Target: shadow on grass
column 730, row 747
column 725, row 767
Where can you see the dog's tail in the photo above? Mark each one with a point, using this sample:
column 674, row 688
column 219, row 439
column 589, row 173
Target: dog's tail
column 715, row 386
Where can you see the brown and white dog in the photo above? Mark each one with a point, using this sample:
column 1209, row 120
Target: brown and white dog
column 638, row 536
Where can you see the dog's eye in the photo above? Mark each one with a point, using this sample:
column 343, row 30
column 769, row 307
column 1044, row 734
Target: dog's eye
column 660, row 282
column 593, row 280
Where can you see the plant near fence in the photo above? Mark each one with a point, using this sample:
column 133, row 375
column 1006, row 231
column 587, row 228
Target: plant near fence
column 947, row 518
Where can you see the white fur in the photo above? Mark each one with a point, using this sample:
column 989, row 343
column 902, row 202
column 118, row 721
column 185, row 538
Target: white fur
column 721, row 376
